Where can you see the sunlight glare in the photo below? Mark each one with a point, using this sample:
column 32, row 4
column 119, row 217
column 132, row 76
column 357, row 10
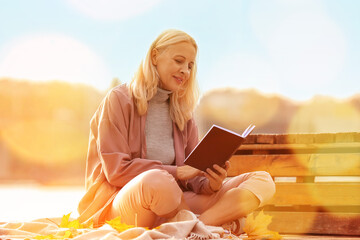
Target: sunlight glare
column 28, row 202
column 54, row 57
column 46, row 142
column 306, row 48
column 112, row 9
column 323, row 114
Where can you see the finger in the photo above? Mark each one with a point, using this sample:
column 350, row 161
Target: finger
column 201, row 174
column 209, row 177
column 218, row 166
column 227, row 165
column 214, row 178
column 212, row 174
column 221, row 171
column 194, row 171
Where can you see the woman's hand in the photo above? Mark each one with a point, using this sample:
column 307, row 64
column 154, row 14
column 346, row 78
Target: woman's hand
column 187, row 172
column 216, row 179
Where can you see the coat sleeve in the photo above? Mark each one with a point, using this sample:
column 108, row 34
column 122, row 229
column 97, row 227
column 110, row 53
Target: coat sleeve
column 199, row 184
column 112, row 142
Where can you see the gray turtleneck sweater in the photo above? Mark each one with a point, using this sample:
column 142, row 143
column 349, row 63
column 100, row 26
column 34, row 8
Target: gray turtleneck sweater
column 159, row 129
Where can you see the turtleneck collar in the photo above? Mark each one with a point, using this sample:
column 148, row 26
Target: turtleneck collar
column 161, row 95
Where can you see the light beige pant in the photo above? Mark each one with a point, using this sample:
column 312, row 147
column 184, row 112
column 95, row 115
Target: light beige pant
column 156, row 193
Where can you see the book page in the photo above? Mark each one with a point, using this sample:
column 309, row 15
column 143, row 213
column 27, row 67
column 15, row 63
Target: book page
column 248, row 130
column 227, row 130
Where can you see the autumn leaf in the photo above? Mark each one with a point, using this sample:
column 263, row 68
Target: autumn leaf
column 65, row 223
column 118, row 225
column 257, row 227
column 72, row 229
column 67, row 234
column 65, row 220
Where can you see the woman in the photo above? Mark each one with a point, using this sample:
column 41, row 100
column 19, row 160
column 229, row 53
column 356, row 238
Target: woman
column 140, row 136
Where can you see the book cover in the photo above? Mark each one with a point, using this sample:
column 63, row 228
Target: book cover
column 216, row 147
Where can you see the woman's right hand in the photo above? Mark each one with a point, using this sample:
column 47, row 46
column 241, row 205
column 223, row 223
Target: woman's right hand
column 187, row 172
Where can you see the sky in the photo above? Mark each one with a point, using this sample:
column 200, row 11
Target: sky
column 295, row 48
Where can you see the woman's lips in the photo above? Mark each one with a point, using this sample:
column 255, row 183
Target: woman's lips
column 178, row 80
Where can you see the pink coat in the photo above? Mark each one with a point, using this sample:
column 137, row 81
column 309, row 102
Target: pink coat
column 117, row 153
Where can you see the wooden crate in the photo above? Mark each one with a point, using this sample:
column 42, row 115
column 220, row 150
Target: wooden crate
column 317, row 180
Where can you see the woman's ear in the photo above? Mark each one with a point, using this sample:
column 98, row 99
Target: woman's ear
column 154, row 56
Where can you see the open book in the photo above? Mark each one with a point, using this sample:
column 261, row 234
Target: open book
column 216, row 147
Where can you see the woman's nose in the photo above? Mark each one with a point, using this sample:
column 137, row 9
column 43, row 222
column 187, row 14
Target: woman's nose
column 185, row 70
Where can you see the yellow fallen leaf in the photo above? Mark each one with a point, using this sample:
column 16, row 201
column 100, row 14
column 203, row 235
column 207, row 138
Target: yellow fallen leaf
column 65, row 223
column 257, row 227
column 66, row 235
column 65, row 220
column 72, row 229
column 118, row 225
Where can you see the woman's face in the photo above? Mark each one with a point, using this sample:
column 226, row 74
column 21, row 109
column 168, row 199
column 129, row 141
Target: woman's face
column 174, row 65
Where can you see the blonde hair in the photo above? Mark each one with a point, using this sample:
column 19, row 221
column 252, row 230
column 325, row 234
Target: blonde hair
column 143, row 85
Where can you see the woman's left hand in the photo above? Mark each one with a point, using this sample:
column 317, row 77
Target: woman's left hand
column 216, row 179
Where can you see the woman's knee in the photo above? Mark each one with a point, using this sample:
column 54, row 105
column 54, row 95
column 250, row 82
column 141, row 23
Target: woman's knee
column 159, row 179
column 260, row 183
column 268, row 185
column 161, row 191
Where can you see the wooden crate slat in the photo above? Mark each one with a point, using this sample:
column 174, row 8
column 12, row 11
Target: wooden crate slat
column 345, row 137
column 307, row 206
column 276, row 165
column 304, row 138
column 265, row 138
column 315, row 147
column 345, row 164
column 317, row 194
column 315, row 223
